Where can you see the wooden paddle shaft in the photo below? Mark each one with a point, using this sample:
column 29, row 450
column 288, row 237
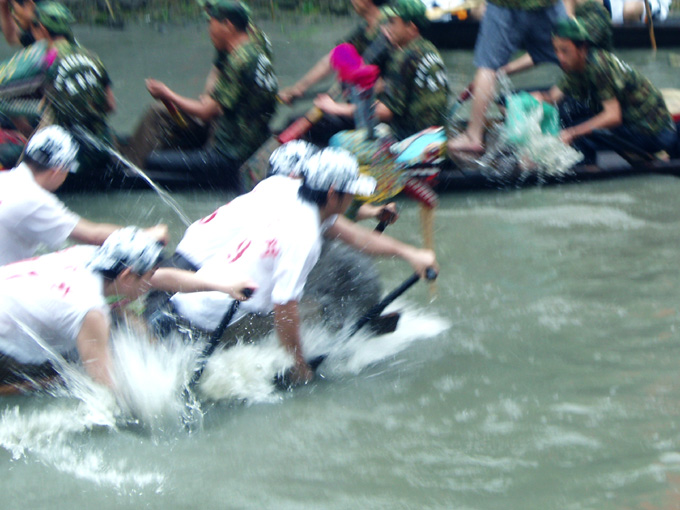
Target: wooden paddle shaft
column 650, row 24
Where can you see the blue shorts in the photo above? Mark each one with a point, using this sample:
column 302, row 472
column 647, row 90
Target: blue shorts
column 504, row 31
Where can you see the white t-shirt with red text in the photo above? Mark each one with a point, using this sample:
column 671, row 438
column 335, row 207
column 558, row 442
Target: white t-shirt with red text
column 276, row 246
column 30, row 216
column 45, row 300
column 208, row 236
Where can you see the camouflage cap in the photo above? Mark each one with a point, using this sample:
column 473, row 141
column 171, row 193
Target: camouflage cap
column 571, row 29
column 55, row 17
column 236, row 12
column 407, row 10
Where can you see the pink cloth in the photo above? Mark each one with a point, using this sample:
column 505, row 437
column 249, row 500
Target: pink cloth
column 351, row 68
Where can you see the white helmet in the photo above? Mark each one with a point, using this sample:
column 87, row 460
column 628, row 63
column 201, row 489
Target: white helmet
column 290, row 157
column 339, row 169
column 127, row 247
column 53, row 147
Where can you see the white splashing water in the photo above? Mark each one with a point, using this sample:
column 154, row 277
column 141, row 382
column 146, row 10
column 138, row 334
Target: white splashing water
column 247, row 371
column 150, row 378
column 540, row 154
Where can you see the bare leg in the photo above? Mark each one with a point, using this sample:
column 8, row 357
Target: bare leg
column 633, row 12
column 473, row 138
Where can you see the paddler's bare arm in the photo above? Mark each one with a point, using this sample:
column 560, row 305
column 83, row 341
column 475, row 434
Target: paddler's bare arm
column 89, row 232
column 204, row 108
column 554, row 95
column 210, row 81
column 7, row 24
column 520, row 64
column 287, row 325
column 608, row 118
column 110, row 100
column 170, row 279
column 93, row 347
column 374, row 243
column 327, row 104
column 318, row 72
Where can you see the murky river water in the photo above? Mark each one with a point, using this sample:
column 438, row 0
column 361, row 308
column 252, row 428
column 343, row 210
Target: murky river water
column 544, row 375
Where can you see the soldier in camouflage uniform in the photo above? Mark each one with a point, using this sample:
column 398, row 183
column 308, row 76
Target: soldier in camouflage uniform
column 594, row 17
column 161, row 129
column 507, row 26
column 616, row 98
column 415, row 94
column 361, row 37
column 78, row 88
column 241, row 103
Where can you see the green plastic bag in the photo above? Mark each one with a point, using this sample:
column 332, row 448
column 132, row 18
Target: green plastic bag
column 522, row 112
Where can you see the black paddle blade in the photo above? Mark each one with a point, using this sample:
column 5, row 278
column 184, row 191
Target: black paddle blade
column 380, row 325
column 384, row 324
column 283, row 381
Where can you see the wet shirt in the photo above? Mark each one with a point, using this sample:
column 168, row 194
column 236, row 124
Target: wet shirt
column 30, row 216
column 524, row 5
column 49, row 300
column 246, row 90
column 206, row 237
column 416, row 88
column 598, row 23
column 275, row 242
column 607, row 77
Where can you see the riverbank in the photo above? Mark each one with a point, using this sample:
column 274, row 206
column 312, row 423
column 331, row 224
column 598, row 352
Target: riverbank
column 119, row 12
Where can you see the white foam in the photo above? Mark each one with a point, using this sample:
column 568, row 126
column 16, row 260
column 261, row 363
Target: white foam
column 246, row 371
column 150, row 378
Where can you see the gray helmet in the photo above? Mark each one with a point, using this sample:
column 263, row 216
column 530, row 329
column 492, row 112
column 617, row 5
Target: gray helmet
column 126, row 247
column 290, row 158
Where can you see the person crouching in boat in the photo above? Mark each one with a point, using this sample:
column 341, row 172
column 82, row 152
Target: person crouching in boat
column 276, row 241
column 204, row 239
column 416, row 90
column 31, row 216
column 78, row 89
column 241, row 102
column 599, row 92
column 59, row 306
column 163, row 127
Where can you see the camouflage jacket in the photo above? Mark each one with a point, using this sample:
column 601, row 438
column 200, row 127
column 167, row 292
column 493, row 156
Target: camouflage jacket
column 416, row 88
column 77, row 89
column 246, row 90
column 597, row 22
column 524, row 5
column 606, row 77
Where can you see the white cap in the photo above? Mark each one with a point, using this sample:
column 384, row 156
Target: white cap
column 127, row 247
column 338, row 169
column 53, row 147
column 290, row 158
